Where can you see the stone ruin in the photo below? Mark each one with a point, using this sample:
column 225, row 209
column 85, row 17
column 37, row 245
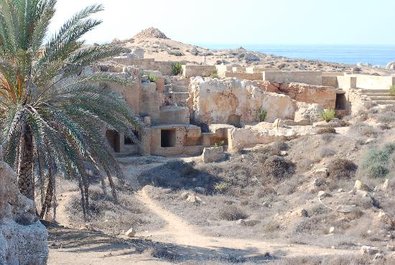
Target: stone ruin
column 23, row 239
column 212, row 105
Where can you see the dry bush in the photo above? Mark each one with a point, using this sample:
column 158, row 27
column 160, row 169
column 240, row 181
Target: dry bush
column 364, row 130
column 328, row 137
column 326, row 152
column 326, row 130
column 327, row 260
column 278, row 168
column 278, row 146
column 232, row 213
column 342, row 169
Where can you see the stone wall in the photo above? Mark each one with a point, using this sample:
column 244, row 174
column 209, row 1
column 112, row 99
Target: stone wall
column 244, row 76
column 23, row 239
column 180, row 140
column 374, row 82
column 191, row 70
column 164, row 67
column 219, row 101
column 307, row 77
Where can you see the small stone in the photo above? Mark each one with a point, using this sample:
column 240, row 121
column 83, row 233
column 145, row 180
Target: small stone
column 283, row 153
column 185, row 195
column 369, row 250
column 331, row 230
column 131, row 232
column 359, row 185
column 192, row 198
column 303, row 213
column 323, row 194
column 378, row 256
column 391, row 247
column 385, row 185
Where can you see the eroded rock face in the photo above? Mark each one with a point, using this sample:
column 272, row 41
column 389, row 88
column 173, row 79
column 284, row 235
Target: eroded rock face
column 322, row 95
column 216, row 101
column 23, row 239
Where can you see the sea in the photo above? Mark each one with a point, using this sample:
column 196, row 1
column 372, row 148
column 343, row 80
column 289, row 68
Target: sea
column 374, row 55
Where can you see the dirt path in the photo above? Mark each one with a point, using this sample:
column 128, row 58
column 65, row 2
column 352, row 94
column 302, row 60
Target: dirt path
column 178, row 231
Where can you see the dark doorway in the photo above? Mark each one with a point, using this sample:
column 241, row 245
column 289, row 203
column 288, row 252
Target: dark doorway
column 234, row 120
column 341, row 102
column 168, row 138
column 113, row 140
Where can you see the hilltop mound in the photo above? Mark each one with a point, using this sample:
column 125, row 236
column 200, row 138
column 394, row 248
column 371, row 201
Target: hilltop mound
column 150, row 33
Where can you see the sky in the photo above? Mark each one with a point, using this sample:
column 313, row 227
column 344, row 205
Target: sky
column 243, row 22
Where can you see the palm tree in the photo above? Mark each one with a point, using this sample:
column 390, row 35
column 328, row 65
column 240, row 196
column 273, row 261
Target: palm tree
column 52, row 113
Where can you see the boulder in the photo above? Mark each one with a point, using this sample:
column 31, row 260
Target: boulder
column 250, row 57
column 23, row 239
column 213, row 154
column 308, row 113
column 131, row 232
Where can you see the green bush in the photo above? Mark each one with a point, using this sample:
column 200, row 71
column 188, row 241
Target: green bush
column 176, row 68
column 392, row 90
column 152, row 78
column 328, row 115
column 262, row 114
column 376, row 162
column 214, row 74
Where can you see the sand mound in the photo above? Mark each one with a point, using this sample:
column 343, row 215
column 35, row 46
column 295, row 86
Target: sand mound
column 150, row 33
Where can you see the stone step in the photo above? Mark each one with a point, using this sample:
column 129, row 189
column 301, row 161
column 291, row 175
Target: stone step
column 387, row 97
column 374, row 91
column 378, row 94
column 177, row 88
column 385, row 102
column 179, row 98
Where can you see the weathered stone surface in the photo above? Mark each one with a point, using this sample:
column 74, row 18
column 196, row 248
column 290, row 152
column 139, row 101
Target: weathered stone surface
column 213, row 154
column 322, row 95
column 215, row 101
column 23, row 239
column 308, row 113
column 262, row 133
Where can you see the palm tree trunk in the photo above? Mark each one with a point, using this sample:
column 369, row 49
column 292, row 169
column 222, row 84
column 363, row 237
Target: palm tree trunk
column 25, row 170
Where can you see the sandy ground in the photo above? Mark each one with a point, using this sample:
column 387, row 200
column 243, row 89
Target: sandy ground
column 177, row 240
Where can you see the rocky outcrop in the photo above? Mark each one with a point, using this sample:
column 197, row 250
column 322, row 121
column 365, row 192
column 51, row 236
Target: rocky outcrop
column 324, row 96
column 219, row 101
column 262, row 133
column 150, row 33
column 23, row 239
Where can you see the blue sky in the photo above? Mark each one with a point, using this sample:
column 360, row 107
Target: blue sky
column 244, row 22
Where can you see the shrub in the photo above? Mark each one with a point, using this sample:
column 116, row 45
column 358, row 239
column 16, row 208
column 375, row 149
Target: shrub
column 221, row 186
column 392, row 90
column 327, row 152
column 278, row 167
column 364, row 129
column 214, row 74
column 326, row 130
column 232, row 213
column 152, row 78
column 176, row 68
column 376, row 162
column 342, row 169
column 262, row 114
column 328, row 115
